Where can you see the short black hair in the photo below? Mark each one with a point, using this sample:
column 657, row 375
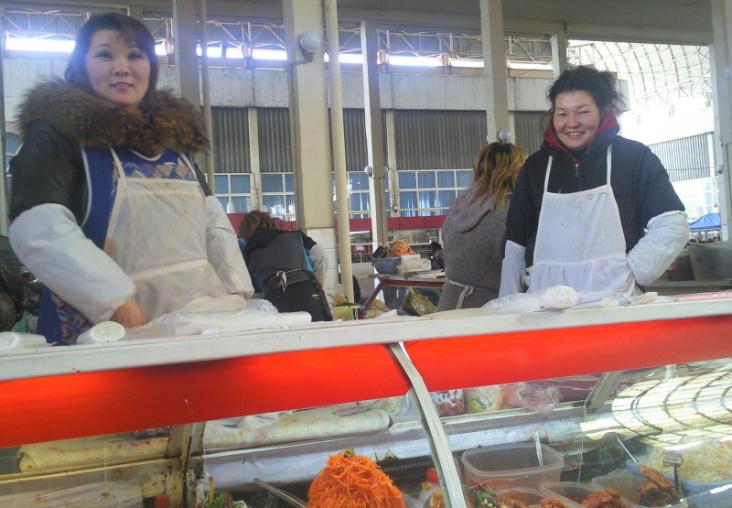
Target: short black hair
column 599, row 84
column 76, row 72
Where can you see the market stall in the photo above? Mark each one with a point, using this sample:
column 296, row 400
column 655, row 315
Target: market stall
column 594, row 390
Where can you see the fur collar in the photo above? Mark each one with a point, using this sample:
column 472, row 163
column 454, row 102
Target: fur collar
column 172, row 123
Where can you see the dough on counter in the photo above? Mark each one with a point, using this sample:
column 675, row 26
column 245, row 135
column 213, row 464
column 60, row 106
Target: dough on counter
column 297, row 426
column 96, row 451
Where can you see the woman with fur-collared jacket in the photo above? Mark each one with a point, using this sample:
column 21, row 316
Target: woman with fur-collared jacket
column 591, row 209
column 107, row 208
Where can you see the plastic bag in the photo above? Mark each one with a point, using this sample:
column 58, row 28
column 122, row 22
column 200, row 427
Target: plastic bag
column 553, row 298
column 417, row 304
column 531, row 396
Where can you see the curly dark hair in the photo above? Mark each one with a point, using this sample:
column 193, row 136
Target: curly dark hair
column 254, row 221
column 599, row 84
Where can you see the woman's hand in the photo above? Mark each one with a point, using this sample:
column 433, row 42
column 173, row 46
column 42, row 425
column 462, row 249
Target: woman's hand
column 129, row 314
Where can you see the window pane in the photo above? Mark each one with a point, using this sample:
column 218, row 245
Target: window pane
column 240, row 184
column 407, row 200
column 465, row 178
column 222, row 184
column 359, row 181
column 408, row 213
column 272, row 183
column 289, row 182
column 290, row 200
column 426, row 179
column 275, row 205
column 445, row 198
column 428, row 199
column 446, row 178
column 224, row 200
column 407, row 180
column 241, row 204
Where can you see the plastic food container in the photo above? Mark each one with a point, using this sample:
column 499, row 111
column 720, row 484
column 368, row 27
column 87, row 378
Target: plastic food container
column 386, row 265
column 690, row 487
column 511, row 465
column 529, row 496
column 573, row 491
column 627, row 485
column 719, row 497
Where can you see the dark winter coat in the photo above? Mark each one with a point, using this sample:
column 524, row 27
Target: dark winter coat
column 57, row 119
column 279, row 268
column 639, row 181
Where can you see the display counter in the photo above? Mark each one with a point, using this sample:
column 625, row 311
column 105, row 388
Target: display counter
column 445, row 404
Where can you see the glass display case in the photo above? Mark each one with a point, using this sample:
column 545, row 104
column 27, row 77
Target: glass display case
column 596, row 407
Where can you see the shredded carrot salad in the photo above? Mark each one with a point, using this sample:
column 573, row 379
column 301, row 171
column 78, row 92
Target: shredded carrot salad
column 353, row 481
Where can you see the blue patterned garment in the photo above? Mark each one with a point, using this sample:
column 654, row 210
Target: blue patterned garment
column 58, row 321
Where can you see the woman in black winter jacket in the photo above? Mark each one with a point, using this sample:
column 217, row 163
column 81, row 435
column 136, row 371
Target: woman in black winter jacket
column 591, row 209
column 106, row 207
column 280, row 267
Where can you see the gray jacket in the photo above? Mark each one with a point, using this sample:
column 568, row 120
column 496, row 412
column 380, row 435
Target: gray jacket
column 473, row 236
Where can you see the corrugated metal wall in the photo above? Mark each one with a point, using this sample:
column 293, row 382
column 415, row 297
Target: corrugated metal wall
column 530, row 127
column 354, row 127
column 438, row 139
column 274, row 140
column 685, row 158
column 231, row 140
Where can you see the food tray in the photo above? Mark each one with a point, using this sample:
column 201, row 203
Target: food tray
column 573, row 491
column 533, row 496
column 627, row 485
column 690, row 488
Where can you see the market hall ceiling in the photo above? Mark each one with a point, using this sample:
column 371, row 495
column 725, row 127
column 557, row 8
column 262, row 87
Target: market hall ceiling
column 691, row 16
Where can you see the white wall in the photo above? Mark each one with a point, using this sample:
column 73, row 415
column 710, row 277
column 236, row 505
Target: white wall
column 268, row 87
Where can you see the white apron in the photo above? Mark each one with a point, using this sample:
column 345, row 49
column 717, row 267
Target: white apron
column 157, row 235
column 580, row 243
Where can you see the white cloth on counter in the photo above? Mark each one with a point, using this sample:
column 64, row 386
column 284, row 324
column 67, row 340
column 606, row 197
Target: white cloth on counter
column 96, row 451
column 21, row 342
column 224, row 314
column 53, row 247
column 297, row 426
column 665, row 239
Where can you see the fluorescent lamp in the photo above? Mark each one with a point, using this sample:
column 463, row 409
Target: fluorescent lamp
column 348, row 58
column 414, row 61
column 351, row 58
column 160, row 49
column 39, row 45
column 269, row 54
column 234, row 52
column 529, row 66
column 211, row 51
column 463, row 62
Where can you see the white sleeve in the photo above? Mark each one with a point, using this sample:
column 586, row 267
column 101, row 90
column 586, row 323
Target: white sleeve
column 320, row 264
column 223, row 250
column 513, row 269
column 667, row 234
column 47, row 240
